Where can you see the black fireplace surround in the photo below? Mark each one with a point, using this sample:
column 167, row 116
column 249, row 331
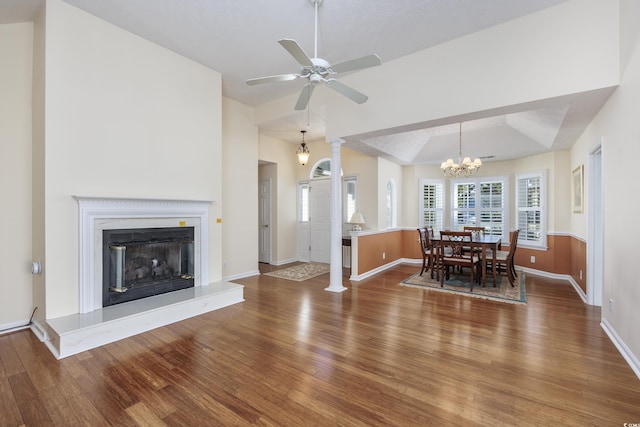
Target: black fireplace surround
column 142, row 262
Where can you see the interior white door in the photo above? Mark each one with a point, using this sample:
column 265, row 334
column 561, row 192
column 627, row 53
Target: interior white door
column 595, row 230
column 320, row 220
column 264, row 213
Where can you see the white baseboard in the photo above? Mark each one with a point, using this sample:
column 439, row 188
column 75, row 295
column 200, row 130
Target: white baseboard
column 241, row 275
column 14, row 326
column 286, row 261
column 626, row 353
column 382, row 268
column 39, row 331
column 566, row 277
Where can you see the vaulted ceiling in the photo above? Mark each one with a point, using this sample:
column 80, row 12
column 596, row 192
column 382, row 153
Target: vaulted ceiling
column 239, row 40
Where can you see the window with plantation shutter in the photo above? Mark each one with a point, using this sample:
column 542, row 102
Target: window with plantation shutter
column 480, row 202
column 530, row 211
column 432, row 204
column 349, row 204
column 492, row 207
column 464, row 205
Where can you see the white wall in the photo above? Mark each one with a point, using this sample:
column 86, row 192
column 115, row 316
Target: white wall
column 618, row 125
column 38, row 284
column 283, row 196
column 562, row 50
column 240, row 190
column 124, row 118
column 16, row 43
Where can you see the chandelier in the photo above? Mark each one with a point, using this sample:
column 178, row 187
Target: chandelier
column 464, row 167
column 303, row 151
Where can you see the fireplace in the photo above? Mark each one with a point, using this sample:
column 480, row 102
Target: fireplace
column 143, row 262
column 125, row 233
column 174, row 233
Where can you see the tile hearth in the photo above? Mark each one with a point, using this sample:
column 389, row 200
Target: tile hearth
column 76, row 333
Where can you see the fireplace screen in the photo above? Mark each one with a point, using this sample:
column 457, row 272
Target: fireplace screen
column 139, row 263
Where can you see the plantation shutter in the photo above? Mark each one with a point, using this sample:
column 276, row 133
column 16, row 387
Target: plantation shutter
column 432, row 205
column 530, row 210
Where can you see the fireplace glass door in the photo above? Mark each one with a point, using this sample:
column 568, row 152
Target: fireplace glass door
column 139, row 263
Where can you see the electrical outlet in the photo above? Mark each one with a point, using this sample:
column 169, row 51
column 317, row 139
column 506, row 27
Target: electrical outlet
column 384, row 255
column 610, row 305
column 580, row 274
column 224, row 264
column 533, row 259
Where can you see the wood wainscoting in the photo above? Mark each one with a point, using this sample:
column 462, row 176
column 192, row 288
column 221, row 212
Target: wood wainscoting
column 565, row 255
column 378, row 249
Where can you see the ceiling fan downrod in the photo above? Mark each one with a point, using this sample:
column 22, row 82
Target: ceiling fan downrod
column 316, row 3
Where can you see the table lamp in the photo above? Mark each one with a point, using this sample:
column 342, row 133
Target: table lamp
column 356, row 220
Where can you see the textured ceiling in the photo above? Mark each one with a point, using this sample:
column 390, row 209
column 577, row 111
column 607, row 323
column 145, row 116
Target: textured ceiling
column 239, row 39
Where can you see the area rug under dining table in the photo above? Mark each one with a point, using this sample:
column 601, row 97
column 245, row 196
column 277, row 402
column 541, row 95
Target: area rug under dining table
column 459, row 284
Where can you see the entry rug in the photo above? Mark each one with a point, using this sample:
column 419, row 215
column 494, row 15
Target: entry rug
column 300, row 272
column 459, row 284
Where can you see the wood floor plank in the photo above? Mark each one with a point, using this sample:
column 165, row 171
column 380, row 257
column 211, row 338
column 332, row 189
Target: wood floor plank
column 10, row 363
column 377, row 354
column 143, row 416
column 31, row 407
column 9, row 409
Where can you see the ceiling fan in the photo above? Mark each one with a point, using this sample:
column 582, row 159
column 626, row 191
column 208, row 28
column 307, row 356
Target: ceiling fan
column 317, row 70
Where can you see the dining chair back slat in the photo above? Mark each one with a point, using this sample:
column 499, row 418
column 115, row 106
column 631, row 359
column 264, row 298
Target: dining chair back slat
column 453, row 252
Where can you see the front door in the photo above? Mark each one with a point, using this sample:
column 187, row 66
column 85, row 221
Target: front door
column 320, row 220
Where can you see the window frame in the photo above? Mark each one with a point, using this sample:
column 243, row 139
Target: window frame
column 301, row 208
column 392, row 204
column 346, row 215
column 477, row 208
column 542, row 209
column 439, row 211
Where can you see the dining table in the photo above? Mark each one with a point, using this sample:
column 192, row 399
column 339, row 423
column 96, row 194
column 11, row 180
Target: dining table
column 484, row 242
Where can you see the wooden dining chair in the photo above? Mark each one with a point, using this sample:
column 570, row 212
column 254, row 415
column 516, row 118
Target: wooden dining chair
column 506, row 258
column 426, row 246
column 451, row 253
column 476, row 231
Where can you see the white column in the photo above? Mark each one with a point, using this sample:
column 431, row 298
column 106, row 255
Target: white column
column 335, row 273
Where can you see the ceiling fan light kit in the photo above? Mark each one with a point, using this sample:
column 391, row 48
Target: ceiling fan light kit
column 317, row 70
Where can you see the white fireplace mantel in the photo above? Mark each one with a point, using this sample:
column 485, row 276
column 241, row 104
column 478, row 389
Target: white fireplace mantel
column 101, row 213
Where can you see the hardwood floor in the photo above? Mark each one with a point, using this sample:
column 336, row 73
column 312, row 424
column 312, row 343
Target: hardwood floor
column 377, row 354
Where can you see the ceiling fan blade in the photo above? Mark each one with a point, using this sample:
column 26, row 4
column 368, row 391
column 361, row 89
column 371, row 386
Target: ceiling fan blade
column 304, row 97
column 296, row 51
column 271, row 79
column 345, row 90
column 357, row 64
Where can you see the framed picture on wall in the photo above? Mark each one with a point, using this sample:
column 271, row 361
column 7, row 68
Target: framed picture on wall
column 577, row 196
